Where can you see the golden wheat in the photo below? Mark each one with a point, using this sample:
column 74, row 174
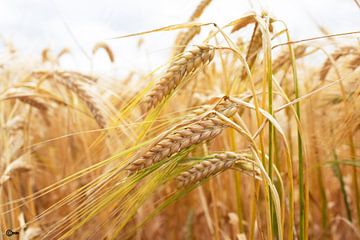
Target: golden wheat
column 200, row 130
column 216, row 164
column 106, row 47
column 199, row 9
column 184, row 66
column 80, row 90
column 184, row 38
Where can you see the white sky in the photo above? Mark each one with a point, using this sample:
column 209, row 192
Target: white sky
column 33, row 25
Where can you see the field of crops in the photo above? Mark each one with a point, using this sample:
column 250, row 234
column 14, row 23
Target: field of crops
column 245, row 133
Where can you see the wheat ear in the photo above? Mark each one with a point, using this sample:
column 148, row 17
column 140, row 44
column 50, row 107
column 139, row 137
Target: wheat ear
column 216, row 164
column 106, row 48
column 79, row 89
column 245, row 20
column 284, row 58
column 63, row 52
column 45, row 55
column 194, row 133
column 355, row 63
column 87, row 98
column 186, row 64
column 78, row 76
column 183, row 39
column 199, row 10
column 18, row 165
column 334, row 57
column 33, row 102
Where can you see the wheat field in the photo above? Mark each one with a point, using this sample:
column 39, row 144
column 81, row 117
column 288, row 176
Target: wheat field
column 241, row 133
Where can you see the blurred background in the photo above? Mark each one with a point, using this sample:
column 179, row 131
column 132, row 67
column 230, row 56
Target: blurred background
column 33, row 25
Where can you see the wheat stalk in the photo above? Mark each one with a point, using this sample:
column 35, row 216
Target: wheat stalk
column 200, row 130
column 215, row 164
column 186, row 64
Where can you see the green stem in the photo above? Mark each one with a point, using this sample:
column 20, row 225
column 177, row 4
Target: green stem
column 301, row 166
column 337, row 171
column 301, row 187
column 277, row 181
column 355, row 178
column 324, row 204
column 268, row 71
column 239, row 208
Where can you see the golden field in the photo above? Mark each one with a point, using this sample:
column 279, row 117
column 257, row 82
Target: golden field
column 243, row 134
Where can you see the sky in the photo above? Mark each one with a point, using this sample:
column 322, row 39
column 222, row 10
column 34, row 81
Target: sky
column 32, row 25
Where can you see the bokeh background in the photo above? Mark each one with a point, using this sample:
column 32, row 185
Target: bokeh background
column 32, row 25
